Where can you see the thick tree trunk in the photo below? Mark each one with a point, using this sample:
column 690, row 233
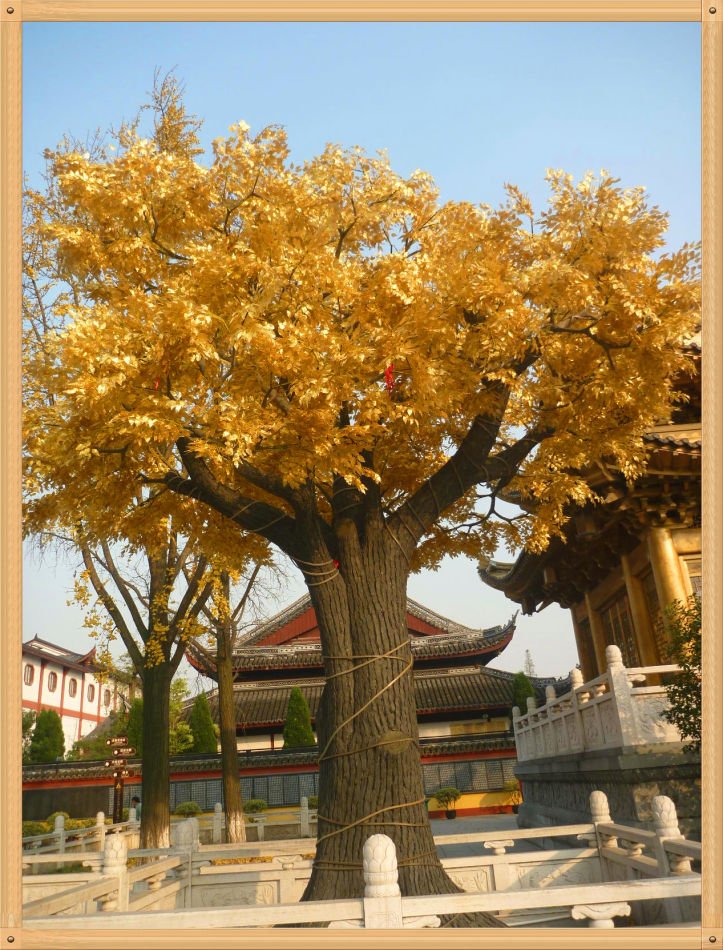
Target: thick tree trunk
column 155, row 788
column 232, row 802
column 370, row 777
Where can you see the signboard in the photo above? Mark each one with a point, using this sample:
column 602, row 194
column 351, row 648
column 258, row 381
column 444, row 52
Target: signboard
column 120, row 748
column 124, row 750
column 117, row 740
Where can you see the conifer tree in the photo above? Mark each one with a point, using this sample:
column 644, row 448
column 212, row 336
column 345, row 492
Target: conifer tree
column 297, row 730
column 48, row 741
column 522, row 688
column 204, row 734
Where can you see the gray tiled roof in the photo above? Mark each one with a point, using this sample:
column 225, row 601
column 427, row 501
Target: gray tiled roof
column 470, row 688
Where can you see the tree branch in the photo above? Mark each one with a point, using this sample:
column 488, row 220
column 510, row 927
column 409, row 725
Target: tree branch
column 113, row 611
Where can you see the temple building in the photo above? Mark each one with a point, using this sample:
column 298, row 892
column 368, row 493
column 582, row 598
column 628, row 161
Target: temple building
column 628, row 556
column 72, row 685
column 463, row 708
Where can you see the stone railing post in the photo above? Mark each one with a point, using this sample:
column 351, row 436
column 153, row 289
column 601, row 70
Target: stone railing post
column 59, row 829
column 620, row 689
column 537, row 742
column 260, row 822
column 115, row 854
column 665, row 824
column 600, row 814
column 100, row 830
column 304, row 824
column 550, row 694
column 573, row 723
column 217, row 827
column 382, row 897
column 576, row 681
column 186, row 835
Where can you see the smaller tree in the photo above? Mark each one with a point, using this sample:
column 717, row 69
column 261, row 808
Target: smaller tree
column 298, row 731
column 683, row 623
column 180, row 737
column 522, row 688
column 204, row 734
column 48, row 741
column 134, row 732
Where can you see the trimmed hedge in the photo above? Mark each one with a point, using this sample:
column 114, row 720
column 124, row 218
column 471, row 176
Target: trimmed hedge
column 187, row 808
column 254, row 805
column 32, row 828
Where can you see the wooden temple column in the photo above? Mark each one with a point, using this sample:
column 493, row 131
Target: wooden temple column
column 598, row 635
column 588, row 663
column 647, row 649
column 667, row 572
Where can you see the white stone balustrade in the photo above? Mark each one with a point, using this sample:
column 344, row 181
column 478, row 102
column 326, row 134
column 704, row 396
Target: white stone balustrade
column 615, row 710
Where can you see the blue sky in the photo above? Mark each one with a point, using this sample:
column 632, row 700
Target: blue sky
column 474, row 104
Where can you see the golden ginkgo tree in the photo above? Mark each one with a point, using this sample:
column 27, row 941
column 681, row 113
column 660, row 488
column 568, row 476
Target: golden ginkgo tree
column 337, row 362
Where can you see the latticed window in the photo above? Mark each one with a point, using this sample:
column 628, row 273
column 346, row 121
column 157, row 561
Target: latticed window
column 618, row 628
column 28, row 675
column 52, row 682
column 654, row 612
column 72, row 686
column 694, row 566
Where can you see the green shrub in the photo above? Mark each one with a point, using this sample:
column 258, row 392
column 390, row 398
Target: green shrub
column 447, row 796
column 683, row 621
column 31, row 828
column 313, row 801
column 75, row 824
column 187, row 808
column 254, row 805
column 51, row 818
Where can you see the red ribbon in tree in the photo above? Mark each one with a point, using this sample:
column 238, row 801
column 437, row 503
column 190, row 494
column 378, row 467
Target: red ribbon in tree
column 157, row 382
column 389, row 377
column 336, row 563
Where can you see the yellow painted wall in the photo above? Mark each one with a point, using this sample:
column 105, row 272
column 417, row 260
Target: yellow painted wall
column 481, row 800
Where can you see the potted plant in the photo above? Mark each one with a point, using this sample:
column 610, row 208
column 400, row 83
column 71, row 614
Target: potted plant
column 513, row 787
column 446, row 797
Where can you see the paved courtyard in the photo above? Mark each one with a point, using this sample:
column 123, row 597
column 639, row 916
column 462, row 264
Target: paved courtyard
column 478, row 825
